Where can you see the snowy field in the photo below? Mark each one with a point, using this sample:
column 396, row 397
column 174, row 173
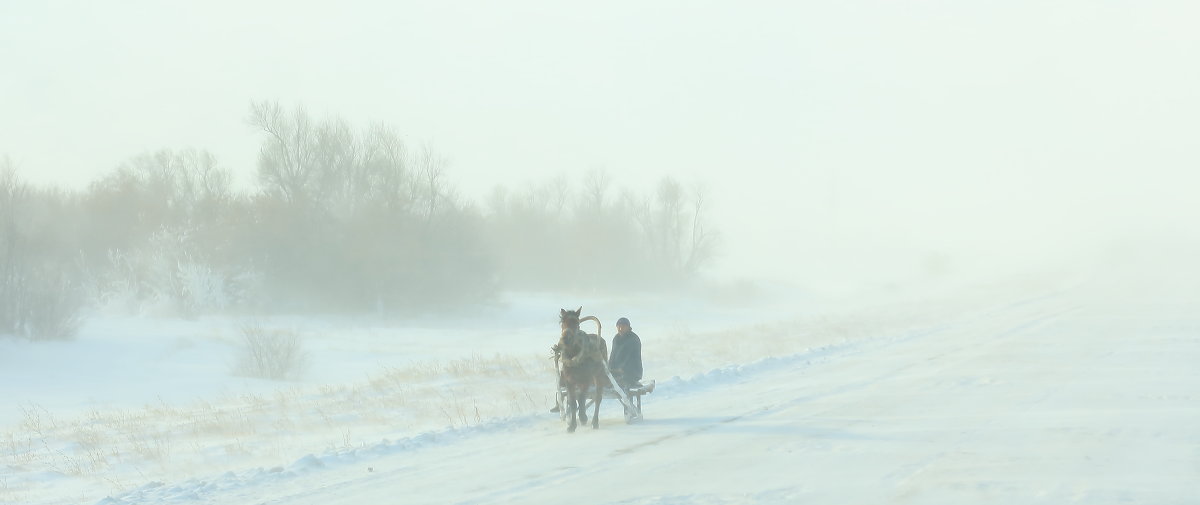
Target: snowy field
column 1063, row 388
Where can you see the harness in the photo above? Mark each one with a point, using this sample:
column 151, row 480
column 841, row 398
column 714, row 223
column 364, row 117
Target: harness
column 588, row 345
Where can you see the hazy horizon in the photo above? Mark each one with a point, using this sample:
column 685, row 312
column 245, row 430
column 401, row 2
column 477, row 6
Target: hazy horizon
column 869, row 132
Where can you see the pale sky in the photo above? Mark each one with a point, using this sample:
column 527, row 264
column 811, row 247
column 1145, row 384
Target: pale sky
column 859, row 130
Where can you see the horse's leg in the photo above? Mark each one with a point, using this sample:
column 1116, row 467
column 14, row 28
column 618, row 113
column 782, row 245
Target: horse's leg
column 572, row 406
column 583, row 403
column 599, row 385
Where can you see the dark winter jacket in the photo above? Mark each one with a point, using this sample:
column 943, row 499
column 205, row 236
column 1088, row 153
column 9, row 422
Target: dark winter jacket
column 626, row 357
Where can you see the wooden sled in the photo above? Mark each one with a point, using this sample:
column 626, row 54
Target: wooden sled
column 630, row 398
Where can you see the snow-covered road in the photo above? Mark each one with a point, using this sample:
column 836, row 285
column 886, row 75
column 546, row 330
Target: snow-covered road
column 1087, row 395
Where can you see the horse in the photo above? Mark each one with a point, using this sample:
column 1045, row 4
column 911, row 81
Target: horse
column 582, row 357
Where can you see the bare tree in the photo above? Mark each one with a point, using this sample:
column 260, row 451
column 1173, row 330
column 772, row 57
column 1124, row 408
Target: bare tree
column 702, row 246
column 432, row 189
column 12, row 192
column 674, row 226
column 184, row 183
column 286, row 163
column 328, row 165
column 595, row 188
column 669, row 222
column 338, row 174
column 38, row 299
column 385, row 170
column 558, row 194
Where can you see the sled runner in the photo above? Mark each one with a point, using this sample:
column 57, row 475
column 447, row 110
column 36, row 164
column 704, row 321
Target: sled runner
column 630, row 398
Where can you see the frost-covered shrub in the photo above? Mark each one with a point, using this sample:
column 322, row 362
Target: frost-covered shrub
column 165, row 275
column 55, row 308
column 201, row 288
column 39, row 304
column 38, row 300
column 271, row 354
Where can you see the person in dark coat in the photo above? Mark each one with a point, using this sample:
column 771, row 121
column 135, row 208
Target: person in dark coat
column 625, row 360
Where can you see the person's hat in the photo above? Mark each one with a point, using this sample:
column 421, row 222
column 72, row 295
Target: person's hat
column 623, row 321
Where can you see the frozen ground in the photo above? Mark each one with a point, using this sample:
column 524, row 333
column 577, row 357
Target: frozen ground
column 1025, row 390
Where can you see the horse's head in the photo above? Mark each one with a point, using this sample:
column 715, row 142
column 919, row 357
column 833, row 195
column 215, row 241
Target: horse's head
column 569, row 319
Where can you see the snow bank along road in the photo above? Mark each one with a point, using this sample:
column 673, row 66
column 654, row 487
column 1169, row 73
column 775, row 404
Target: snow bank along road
column 1088, row 395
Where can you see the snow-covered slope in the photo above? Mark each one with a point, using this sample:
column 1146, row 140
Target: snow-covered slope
column 1084, row 394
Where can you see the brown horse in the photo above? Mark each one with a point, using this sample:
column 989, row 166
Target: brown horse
column 582, row 356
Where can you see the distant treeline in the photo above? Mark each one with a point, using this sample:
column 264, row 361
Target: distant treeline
column 341, row 219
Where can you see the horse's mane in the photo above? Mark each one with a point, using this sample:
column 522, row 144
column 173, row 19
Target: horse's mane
column 587, row 347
